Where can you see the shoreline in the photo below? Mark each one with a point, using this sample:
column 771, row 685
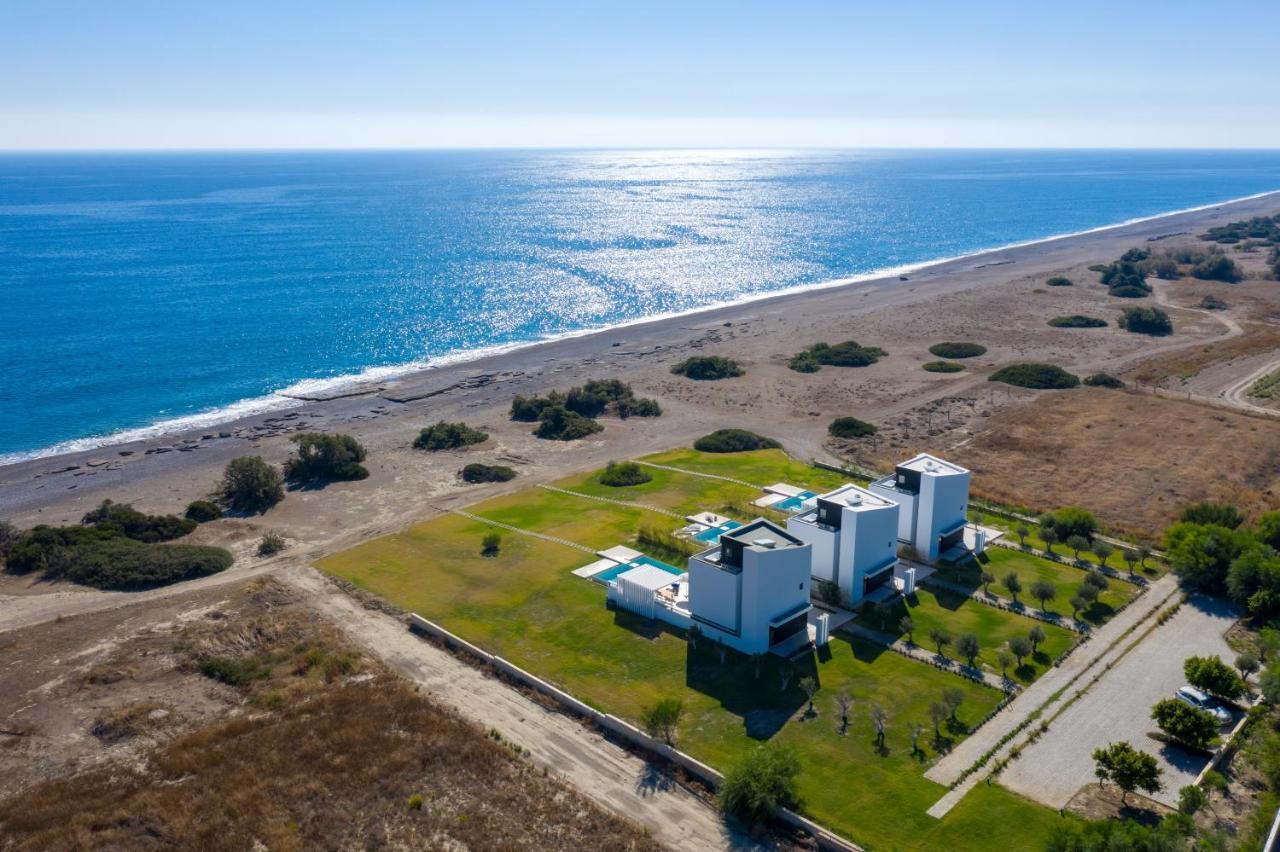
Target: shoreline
column 321, row 390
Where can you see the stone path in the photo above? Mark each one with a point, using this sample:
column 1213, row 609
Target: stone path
column 1063, row 683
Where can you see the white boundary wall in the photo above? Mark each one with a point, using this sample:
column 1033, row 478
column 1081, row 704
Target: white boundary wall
column 622, row 729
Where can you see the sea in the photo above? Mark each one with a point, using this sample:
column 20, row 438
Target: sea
column 147, row 292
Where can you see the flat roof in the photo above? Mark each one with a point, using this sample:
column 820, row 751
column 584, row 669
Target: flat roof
column 926, row 463
column 762, row 529
column 649, row 577
column 856, row 497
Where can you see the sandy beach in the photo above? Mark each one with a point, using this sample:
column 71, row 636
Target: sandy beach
column 996, row 298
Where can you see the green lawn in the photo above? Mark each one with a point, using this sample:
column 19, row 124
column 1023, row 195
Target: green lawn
column 1154, row 567
column 525, row 605
column 957, row 615
column 1001, row 561
column 762, row 467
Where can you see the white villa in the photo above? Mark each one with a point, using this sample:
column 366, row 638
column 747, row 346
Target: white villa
column 751, row 589
column 854, row 536
column 933, row 496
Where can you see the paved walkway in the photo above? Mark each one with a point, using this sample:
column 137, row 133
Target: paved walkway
column 1107, row 644
column 1018, row 608
column 924, row 655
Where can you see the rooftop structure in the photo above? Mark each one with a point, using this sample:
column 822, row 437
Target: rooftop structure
column 934, row 496
column 853, row 533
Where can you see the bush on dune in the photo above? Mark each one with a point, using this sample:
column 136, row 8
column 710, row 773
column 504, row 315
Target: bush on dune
column 203, row 511
column 1217, row 267
column 708, row 368
column 1077, row 321
column 943, row 367
column 448, row 436
column 475, row 473
column 847, row 354
column 850, row 427
column 957, row 350
column 1035, row 376
column 1151, row 321
column 138, row 526
column 560, row 424
column 250, row 485
column 1103, row 380
column 1059, row 281
column 324, row 457
column 734, row 441
column 623, row 474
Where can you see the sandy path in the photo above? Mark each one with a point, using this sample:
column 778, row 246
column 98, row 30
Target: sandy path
column 600, row 769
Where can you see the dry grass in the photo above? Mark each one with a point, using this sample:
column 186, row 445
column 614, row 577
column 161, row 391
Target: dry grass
column 1256, row 340
column 1134, row 459
column 321, row 748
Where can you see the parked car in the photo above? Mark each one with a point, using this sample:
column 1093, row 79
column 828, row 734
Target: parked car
column 1201, row 701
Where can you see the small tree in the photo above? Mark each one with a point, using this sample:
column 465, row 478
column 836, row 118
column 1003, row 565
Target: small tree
column 270, row 544
column 809, row 686
column 1130, row 557
column 1213, row 676
column 1191, row 799
column 1022, row 531
column 323, row 456
column 1049, row 536
column 987, row 579
column 1144, row 553
column 490, row 545
column 952, row 698
column 1246, row 664
column 1077, row 543
column 1035, row 636
column 662, row 719
column 1088, row 593
column 1195, row 727
column 1128, row 768
column 1098, row 580
column 1102, row 550
column 916, row 730
column 969, row 648
column 879, row 718
column 829, row 593
column 1077, row 603
column 1214, row 782
column 1004, row 659
column 251, row 485
column 1044, row 591
column 1013, row 584
column 1020, row 648
column 907, row 625
column 940, row 638
column 844, row 702
column 938, row 713
column 762, row 780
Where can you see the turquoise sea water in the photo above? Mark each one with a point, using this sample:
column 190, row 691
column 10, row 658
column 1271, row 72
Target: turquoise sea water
column 142, row 288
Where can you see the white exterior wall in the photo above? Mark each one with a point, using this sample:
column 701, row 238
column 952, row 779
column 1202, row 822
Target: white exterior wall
column 943, row 501
column 874, row 543
column 906, row 510
column 774, row 582
column 714, row 595
column 824, row 544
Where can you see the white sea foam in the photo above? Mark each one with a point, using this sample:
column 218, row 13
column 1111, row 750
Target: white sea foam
column 286, row 398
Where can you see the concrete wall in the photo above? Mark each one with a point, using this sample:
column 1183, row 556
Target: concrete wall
column 623, row 730
column 774, row 582
column 715, row 595
column 873, row 544
column 824, row 543
column 943, row 502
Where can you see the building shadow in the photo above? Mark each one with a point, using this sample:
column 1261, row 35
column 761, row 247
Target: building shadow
column 763, row 691
column 645, row 628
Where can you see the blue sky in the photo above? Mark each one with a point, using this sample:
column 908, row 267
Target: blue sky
column 391, row 74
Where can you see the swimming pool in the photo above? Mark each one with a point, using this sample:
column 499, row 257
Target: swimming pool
column 713, row 534
column 793, row 504
column 612, row 573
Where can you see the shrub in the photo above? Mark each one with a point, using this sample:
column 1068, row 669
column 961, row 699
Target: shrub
column 325, row 457
column 733, row 441
column 448, row 436
column 529, row 409
column 592, row 399
column 1127, row 292
column 622, row 474
column 1125, row 273
column 761, row 780
column 1213, row 303
column 638, row 406
column 415, row 802
column 943, row 367
column 203, row 511
column 476, row 472
column 1146, row 321
column 1077, row 321
column 661, row 719
column 105, row 559
column 233, row 672
column 850, row 427
column 846, row 354
column 1209, row 512
column 1059, row 281
column 1217, row 267
column 560, row 424
column 135, row 525
column 1258, row 228
column 490, row 545
column 1070, row 521
column 1035, row 376
column 1213, row 676
column 958, row 349
column 1197, row 728
column 251, row 485
column 270, row 544
column 707, row 368
column 1201, row 554
column 1103, row 380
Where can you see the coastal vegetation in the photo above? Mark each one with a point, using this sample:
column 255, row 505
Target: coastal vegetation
column 850, row 427
column 271, row 543
column 570, row 416
column 708, row 368
column 847, row 354
column 733, row 441
column 623, row 474
column 1035, row 376
column 1059, row 281
column 957, row 350
column 1151, row 321
column 1077, row 321
column 325, row 457
column 942, row 367
column 448, row 436
column 1267, row 387
column 1212, row 303
column 1217, row 267
column 1103, row 380
column 476, row 473
column 557, row 423
column 115, row 547
column 1126, row 277
column 1263, row 229
column 203, row 511
column 250, row 485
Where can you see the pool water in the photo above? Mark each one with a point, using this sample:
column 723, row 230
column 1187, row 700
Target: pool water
column 609, row 574
column 713, row 534
column 793, row 504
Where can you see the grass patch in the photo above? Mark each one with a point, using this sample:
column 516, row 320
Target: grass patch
column 1077, row 321
column 1267, row 387
column 1035, row 376
column 943, row 367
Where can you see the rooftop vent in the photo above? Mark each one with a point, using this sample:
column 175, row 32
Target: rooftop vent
column 764, row 542
column 930, row 466
column 854, row 500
